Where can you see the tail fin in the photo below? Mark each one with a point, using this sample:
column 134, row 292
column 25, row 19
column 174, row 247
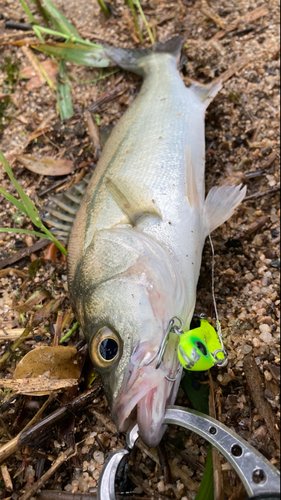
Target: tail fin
column 132, row 59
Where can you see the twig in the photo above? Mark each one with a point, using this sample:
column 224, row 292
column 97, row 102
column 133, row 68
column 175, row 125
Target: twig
column 93, row 131
column 63, row 457
column 12, row 333
column 24, row 252
column 105, row 421
column 256, row 389
column 218, row 479
column 272, row 157
column 15, row 345
column 212, row 15
column 39, row 413
column 57, row 335
column 262, row 193
column 255, row 226
column 42, row 428
column 246, row 19
column 6, row 477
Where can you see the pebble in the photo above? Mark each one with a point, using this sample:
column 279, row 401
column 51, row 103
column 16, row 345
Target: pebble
column 267, row 375
column 256, row 342
column 266, row 337
column 161, row 486
column 246, row 349
column 264, row 328
column 249, row 277
column 99, row 457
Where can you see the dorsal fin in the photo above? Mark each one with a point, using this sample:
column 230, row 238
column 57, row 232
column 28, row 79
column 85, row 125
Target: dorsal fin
column 60, row 213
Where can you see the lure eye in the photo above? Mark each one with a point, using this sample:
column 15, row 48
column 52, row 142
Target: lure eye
column 104, row 348
column 201, row 348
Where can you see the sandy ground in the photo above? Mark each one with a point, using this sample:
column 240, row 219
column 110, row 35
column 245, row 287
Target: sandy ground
column 242, row 145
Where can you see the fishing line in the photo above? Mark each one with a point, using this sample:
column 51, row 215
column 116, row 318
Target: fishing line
column 218, row 325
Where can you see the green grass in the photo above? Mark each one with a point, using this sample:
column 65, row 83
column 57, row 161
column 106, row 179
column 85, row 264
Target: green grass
column 28, row 208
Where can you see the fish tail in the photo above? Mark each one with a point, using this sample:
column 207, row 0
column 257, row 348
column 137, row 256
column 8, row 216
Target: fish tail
column 134, row 59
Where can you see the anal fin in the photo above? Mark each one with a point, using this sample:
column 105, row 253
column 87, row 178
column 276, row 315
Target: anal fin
column 221, row 203
column 135, row 202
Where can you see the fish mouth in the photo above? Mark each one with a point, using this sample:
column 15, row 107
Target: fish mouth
column 144, row 397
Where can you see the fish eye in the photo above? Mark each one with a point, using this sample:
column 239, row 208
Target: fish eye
column 201, row 347
column 104, row 347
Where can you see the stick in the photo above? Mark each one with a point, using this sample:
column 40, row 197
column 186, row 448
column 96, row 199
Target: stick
column 262, row 193
column 218, row 479
column 63, row 457
column 256, row 389
column 24, row 252
column 6, row 478
column 42, row 428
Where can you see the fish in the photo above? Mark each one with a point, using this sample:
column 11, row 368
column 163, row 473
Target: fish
column 137, row 235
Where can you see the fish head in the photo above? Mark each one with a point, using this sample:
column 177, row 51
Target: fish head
column 127, row 294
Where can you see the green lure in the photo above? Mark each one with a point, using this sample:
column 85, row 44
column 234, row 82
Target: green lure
column 200, row 349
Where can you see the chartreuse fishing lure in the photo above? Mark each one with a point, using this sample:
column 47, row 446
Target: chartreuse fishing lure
column 201, row 348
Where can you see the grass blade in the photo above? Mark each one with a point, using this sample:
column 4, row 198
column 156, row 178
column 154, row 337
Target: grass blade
column 23, row 231
column 206, row 488
column 64, row 93
column 28, row 204
column 198, row 395
column 104, row 7
column 58, row 19
column 30, row 209
column 28, row 12
column 76, row 53
column 132, row 7
column 13, row 200
column 138, row 5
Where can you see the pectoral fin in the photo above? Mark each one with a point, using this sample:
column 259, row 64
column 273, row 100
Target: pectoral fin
column 220, row 205
column 134, row 201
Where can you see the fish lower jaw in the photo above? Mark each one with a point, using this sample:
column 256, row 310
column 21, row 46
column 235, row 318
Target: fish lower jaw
column 149, row 411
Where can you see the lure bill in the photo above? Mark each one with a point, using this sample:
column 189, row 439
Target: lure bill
column 135, row 245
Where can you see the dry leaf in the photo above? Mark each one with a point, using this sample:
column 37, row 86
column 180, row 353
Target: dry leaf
column 49, row 66
column 44, row 363
column 47, row 166
column 34, row 386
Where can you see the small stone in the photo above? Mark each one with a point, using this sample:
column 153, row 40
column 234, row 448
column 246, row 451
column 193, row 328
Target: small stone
column 246, row 349
column 256, row 342
column 266, row 337
column 161, row 486
column 261, row 432
column 99, row 457
column 249, row 276
column 267, row 375
column 264, row 328
column 275, row 263
column 257, row 241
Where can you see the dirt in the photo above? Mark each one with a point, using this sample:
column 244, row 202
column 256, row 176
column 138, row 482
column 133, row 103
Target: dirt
column 242, row 145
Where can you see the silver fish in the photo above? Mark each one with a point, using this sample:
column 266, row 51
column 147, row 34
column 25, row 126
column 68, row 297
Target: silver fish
column 135, row 247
